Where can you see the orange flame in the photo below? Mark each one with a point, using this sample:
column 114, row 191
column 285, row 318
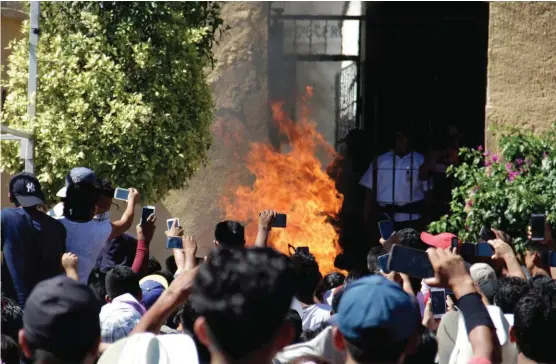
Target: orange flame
column 293, row 183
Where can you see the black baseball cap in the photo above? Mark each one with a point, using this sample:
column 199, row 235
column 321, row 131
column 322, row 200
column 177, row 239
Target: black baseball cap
column 61, row 317
column 26, row 189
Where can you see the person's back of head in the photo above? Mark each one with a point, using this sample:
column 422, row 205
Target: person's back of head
column 12, row 318
column 484, row 277
column 60, row 322
column 229, row 234
column 372, row 259
column 97, row 284
column 153, row 266
column 426, row 350
column 10, row 351
column 356, row 274
column 307, row 276
column 534, row 319
column 411, row 238
column 536, row 256
column 121, row 280
column 187, row 316
column 295, row 320
column 336, row 299
column 508, row 292
column 330, row 281
column 242, row 297
column 170, row 264
column 540, row 280
column 80, row 202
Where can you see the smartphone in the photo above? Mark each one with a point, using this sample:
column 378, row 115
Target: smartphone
column 552, row 258
column 147, row 211
column 454, row 244
column 467, row 251
column 438, row 302
column 302, row 250
column 537, row 227
column 412, row 262
column 484, row 250
column 386, row 228
column 487, row 234
column 121, row 194
column 170, row 222
column 280, row 221
column 383, row 263
column 174, row 243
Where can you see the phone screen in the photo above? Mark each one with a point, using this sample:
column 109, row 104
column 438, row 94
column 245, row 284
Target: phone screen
column 383, row 263
column 147, row 211
column 170, row 222
column 386, row 228
column 121, row 194
column 174, row 243
column 280, row 221
column 438, row 302
column 455, row 244
column 467, row 251
column 413, row 262
column 484, row 250
column 537, row 227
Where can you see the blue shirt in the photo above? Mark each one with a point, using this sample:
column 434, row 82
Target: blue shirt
column 32, row 248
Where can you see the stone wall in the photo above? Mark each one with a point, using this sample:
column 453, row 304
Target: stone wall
column 521, row 66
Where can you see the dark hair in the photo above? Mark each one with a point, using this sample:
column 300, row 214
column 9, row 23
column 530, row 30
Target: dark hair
column 309, row 335
column 12, row 318
column 106, row 189
column 293, row 318
column 372, row 259
column 410, row 237
column 534, row 317
column 330, row 281
column 355, row 274
column 540, row 280
column 307, row 276
column 154, row 266
column 376, row 347
column 426, row 350
column 541, row 249
column 10, row 350
column 243, row 291
column 336, row 298
column 508, row 291
column 97, row 284
column 187, row 317
column 164, row 273
column 80, row 201
column 230, row 234
column 171, row 265
column 121, row 280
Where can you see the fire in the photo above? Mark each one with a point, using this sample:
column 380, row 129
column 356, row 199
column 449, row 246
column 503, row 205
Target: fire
column 294, row 183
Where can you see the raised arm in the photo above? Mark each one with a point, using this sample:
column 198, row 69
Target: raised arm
column 121, row 226
column 265, row 220
column 69, row 262
column 145, row 235
column 503, row 250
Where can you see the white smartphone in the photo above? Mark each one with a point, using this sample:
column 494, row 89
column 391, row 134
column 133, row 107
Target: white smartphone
column 438, row 300
column 121, row 194
column 169, row 222
column 147, row 211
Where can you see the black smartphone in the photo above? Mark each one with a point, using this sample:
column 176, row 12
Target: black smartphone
column 454, row 244
column 174, row 243
column 147, row 211
column 280, row 221
column 484, row 250
column 538, row 222
column 487, row 234
column 386, row 228
column 552, row 258
column 438, row 302
column 383, row 263
column 302, row 250
column 467, row 250
column 412, row 262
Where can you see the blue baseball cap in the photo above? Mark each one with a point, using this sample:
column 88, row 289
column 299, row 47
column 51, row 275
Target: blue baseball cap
column 152, row 288
column 78, row 175
column 375, row 302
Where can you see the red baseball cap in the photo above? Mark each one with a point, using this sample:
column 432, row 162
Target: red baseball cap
column 442, row 241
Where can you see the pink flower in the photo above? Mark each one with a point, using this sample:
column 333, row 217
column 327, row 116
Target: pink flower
column 513, row 175
column 480, row 148
column 509, row 167
column 488, row 163
column 494, row 158
column 519, row 161
column 486, row 154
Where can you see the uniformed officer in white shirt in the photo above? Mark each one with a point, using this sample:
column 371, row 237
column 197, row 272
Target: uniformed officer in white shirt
column 401, row 190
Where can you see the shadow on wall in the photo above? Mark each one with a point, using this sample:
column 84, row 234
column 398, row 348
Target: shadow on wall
column 158, row 245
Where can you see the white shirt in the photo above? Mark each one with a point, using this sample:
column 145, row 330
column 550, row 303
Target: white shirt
column 314, row 315
column 86, row 240
column 405, row 174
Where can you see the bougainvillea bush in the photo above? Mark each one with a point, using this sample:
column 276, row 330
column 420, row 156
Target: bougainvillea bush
column 503, row 190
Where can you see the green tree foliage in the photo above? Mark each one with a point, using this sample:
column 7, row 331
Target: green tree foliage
column 122, row 89
column 503, row 191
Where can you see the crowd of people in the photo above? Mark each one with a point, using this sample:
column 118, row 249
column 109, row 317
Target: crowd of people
column 77, row 289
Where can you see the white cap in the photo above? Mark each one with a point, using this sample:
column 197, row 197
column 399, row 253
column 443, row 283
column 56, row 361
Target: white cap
column 147, row 348
column 485, row 277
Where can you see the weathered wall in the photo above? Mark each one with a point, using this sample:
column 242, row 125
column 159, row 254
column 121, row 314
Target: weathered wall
column 522, row 66
column 11, row 16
